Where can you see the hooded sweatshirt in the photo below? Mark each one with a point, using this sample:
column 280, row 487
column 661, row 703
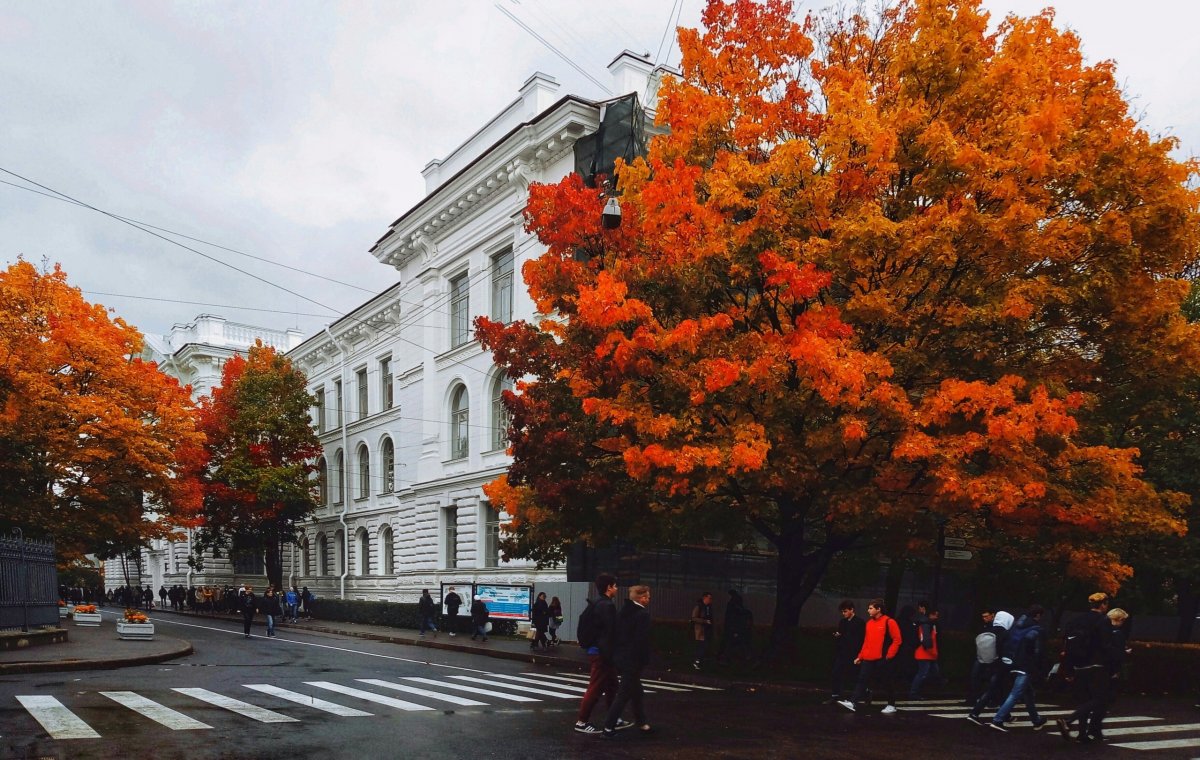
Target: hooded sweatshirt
column 877, row 631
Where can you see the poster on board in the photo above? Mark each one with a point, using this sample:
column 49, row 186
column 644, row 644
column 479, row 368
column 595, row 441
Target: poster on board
column 506, row 602
column 464, row 593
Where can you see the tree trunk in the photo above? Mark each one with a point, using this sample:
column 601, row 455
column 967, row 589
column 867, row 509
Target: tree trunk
column 275, row 563
column 796, row 579
column 1188, row 608
column 892, row 584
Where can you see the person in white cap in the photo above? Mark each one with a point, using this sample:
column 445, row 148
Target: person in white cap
column 479, row 618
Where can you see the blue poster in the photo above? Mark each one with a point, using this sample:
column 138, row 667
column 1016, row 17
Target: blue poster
column 506, row 602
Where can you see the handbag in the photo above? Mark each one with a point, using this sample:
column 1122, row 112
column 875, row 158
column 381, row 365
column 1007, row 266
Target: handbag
column 487, row 627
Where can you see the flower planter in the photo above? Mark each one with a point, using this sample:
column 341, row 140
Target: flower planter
column 62, row 612
column 135, row 631
column 89, row 619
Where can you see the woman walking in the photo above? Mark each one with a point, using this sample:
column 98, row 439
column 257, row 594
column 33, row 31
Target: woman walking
column 556, row 619
column 271, row 608
column 249, row 605
column 541, row 620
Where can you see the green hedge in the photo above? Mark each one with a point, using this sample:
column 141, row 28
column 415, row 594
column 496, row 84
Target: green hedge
column 392, row 615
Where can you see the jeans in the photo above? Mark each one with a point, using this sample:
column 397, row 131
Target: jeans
column 1022, row 689
column 601, row 681
column 270, row 625
column 924, row 669
column 427, row 624
column 480, row 631
column 291, row 612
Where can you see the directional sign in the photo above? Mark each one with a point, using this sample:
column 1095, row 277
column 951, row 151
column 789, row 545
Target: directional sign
column 955, row 543
column 957, row 554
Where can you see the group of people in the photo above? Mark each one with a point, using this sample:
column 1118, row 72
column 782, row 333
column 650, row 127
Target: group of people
column 1010, row 658
column 546, row 616
column 480, row 616
column 272, row 604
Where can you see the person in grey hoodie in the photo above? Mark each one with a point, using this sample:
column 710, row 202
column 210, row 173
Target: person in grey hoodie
column 1004, row 621
column 1024, row 653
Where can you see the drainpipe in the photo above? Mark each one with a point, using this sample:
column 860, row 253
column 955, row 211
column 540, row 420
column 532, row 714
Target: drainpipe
column 189, row 572
column 342, row 475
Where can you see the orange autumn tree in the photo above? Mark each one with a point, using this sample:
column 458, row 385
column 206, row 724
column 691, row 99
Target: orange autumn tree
column 98, row 449
column 880, row 270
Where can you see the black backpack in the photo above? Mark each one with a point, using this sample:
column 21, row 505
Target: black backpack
column 1078, row 642
column 587, row 629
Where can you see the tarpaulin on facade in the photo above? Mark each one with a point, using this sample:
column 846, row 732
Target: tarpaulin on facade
column 622, row 134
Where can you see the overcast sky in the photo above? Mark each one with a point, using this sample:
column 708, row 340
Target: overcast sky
column 296, row 131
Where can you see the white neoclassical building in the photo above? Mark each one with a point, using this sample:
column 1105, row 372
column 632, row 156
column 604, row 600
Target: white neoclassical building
column 408, row 407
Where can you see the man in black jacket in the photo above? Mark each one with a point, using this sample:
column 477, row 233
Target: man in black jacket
column 848, row 639
column 249, row 605
column 479, row 618
column 427, row 609
column 631, row 657
column 1093, row 677
column 603, row 677
column 452, row 602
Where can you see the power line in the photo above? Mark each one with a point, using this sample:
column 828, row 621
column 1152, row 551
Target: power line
column 675, row 8
column 203, row 303
column 551, row 48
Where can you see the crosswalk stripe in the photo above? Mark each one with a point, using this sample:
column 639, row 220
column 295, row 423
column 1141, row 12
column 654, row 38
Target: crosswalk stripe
column 161, row 714
column 1132, row 730
column 685, row 685
column 932, row 703
column 657, row 684
column 1110, row 719
column 560, row 686
column 1160, row 744
column 307, row 701
column 472, row 689
column 1015, row 714
column 515, row 687
column 424, row 692
column 58, row 721
column 254, row 712
column 370, row 696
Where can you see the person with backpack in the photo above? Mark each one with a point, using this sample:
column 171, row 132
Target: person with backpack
column 926, row 653
column 426, row 609
column 479, row 618
column 988, row 648
column 1023, row 650
column 596, row 632
column 978, row 679
column 848, row 640
column 1087, row 649
column 541, row 621
column 248, row 604
column 452, row 602
column 881, row 643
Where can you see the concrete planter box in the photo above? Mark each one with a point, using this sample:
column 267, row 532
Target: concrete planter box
column 135, row 631
column 62, row 612
column 89, row 619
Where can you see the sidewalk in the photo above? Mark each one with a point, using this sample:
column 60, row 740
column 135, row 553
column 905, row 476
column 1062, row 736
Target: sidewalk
column 93, row 649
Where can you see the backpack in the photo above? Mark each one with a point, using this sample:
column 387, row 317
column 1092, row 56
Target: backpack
column 587, row 629
column 1077, row 642
column 985, row 648
column 1016, row 643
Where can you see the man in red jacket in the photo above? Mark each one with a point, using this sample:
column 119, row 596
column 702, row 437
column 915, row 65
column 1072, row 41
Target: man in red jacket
column 880, row 645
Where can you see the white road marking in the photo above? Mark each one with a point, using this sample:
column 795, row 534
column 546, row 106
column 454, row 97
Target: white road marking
column 515, row 687
column 1110, row 719
column 561, row 687
column 1160, row 744
column 161, row 714
column 423, row 692
column 369, row 696
column 1015, row 714
column 58, row 721
column 472, row 689
column 685, row 685
column 932, row 703
column 1131, row 730
column 254, row 712
column 307, row 701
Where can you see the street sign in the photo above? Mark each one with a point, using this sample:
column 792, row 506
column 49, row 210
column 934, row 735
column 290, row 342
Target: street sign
column 955, row 543
column 957, row 554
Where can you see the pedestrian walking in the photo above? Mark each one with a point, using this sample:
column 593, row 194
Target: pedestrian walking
column 631, row 657
column 556, row 620
column 427, row 609
column 881, row 644
column 1121, row 628
column 541, row 621
column 738, row 629
column 292, row 599
column 479, row 618
column 147, row 598
column 702, row 627
column 981, row 672
column 848, row 640
column 989, row 646
column 596, row 631
column 306, row 598
column 452, row 602
column 1024, row 652
column 248, row 603
column 271, row 609
column 1088, row 642
column 162, row 596
column 926, row 653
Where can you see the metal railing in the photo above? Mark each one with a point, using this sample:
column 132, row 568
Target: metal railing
column 28, row 583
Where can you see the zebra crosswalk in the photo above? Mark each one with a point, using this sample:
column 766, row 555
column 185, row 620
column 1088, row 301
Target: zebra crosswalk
column 1135, row 732
column 421, row 693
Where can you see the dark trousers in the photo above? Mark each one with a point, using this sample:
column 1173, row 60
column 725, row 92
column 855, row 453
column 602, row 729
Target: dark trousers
column 601, row 681
column 844, row 670
column 1095, row 691
column 630, row 691
column 427, row 624
column 540, row 638
column 995, row 690
column 876, row 672
column 701, row 649
column 247, row 619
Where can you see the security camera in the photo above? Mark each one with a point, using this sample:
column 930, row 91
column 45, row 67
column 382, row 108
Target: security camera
column 610, row 218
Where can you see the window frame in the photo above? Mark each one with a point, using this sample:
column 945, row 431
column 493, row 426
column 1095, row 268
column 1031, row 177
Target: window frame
column 503, row 285
column 460, row 310
column 460, row 423
column 387, row 396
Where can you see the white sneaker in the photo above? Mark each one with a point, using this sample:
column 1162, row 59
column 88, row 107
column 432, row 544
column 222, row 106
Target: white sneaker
column 452, row 633
column 889, row 710
column 847, row 704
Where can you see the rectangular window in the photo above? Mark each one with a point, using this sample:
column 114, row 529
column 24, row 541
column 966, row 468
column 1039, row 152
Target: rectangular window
column 337, row 400
column 361, row 378
column 320, row 394
column 385, row 383
column 460, row 311
column 248, row 562
column 491, row 536
column 450, row 536
column 502, row 286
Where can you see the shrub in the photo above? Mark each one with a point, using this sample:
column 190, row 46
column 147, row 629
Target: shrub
column 392, row 614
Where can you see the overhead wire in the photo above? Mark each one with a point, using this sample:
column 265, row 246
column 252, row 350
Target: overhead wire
column 552, row 49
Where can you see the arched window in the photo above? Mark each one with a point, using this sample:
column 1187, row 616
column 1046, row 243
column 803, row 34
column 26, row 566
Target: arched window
column 364, row 552
column 386, row 551
column 364, row 472
column 387, row 455
column 460, row 419
column 500, row 417
column 324, row 567
column 339, row 477
column 322, row 481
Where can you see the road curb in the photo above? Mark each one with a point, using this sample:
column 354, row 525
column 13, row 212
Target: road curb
column 50, row 666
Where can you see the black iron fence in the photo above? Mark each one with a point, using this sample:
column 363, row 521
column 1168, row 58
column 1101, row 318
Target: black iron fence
column 28, row 583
